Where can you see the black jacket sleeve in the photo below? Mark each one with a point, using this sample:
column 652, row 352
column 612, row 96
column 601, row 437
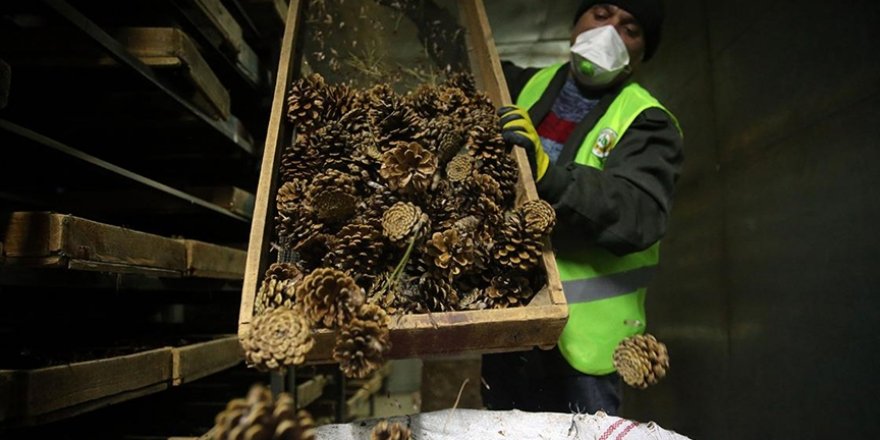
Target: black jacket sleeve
column 516, row 77
column 623, row 208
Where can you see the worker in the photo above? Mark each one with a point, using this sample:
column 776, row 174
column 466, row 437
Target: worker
column 606, row 155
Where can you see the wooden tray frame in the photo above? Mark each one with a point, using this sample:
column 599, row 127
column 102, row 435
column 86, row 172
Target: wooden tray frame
column 537, row 324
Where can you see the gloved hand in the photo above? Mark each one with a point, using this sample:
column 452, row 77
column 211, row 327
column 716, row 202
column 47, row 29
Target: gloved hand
column 517, row 129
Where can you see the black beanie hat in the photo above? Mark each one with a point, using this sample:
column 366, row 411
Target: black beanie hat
column 649, row 13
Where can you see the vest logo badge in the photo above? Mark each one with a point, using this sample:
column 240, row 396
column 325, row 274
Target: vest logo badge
column 604, row 143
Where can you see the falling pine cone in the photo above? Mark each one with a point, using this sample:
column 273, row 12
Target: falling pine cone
column 400, row 221
column 329, row 297
column 275, row 293
column 305, row 103
column 641, row 360
column 277, row 339
column 362, row 343
column 332, row 196
column 390, row 431
column 408, row 168
column 358, row 248
column 258, row 416
column 508, row 290
column 515, row 246
column 539, row 216
column 459, row 168
column 452, row 252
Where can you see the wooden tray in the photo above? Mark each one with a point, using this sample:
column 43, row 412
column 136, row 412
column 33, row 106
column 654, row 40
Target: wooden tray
column 537, row 324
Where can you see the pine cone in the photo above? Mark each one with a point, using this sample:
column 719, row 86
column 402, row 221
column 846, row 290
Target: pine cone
column 539, row 216
column 329, row 297
column 332, row 195
column 401, row 124
column 641, row 360
column 358, row 248
column 332, row 142
column 505, row 171
column 424, row 100
column 277, row 339
column 296, row 226
column 275, row 293
column 283, row 271
column 508, row 290
column 451, row 251
column 438, row 295
column 462, row 81
column 300, row 160
column 515, row 247
column 375, row 206
column 486, row 143
column 473, row 300
column 390, row 431
column 305, row 103
column 408, row 168
column 451, row 99
column 291, row 195
column 400, row 221
column 363, row 342
column 339, row 100
column 459, row 168
column 259, row 417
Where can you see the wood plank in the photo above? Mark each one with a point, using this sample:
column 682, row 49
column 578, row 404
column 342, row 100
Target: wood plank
column 277, row 133
column 196, row 361
column 206, row 260
column 367, row 388
column 311, row 390
column 161, row 47
column 234, row 199
column 266, row 12
column 53, row 240
column 30, row 393
column 228, row 33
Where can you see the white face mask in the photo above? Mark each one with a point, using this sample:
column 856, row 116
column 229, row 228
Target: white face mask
column 598, row 56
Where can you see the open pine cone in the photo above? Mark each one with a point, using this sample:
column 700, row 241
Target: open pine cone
column 437, row 294
column 362, row 343
column 358, row 248
column 390, row 431
column 408, row 168
column 332, row 195
column 452, row 252
column 305, row 103
column 508, row 290
column 516, row 247
column 277, row 339
column 329, row 297
column 539, row 216
column 297, row 226
column 641, row 360
column 462, row 81
column 290, row 195
column 400, row 221
column 275, row 293
column 259, row 417
column 300, row 160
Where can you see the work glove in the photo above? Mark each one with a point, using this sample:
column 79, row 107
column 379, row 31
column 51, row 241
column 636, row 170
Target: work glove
column 517, row 129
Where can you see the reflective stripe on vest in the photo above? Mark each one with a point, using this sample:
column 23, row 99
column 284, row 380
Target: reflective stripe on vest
column 605, row 292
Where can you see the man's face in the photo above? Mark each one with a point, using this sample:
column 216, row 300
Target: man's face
column 627, row 27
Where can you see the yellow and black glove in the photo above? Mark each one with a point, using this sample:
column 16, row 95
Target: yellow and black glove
column 517, row 129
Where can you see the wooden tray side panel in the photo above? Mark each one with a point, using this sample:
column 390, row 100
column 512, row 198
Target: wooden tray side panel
column 418, row 335
column 277, row 134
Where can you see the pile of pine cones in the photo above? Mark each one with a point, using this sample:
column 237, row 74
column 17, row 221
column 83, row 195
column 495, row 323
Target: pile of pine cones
column 392, row 204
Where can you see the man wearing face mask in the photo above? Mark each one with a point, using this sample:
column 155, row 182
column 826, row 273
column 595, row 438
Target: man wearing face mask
column 606, row 155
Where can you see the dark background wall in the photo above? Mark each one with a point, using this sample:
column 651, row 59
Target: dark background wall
column 769, row 291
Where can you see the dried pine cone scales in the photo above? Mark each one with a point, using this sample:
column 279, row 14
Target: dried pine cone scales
column 391, row 204
column 641, row 361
